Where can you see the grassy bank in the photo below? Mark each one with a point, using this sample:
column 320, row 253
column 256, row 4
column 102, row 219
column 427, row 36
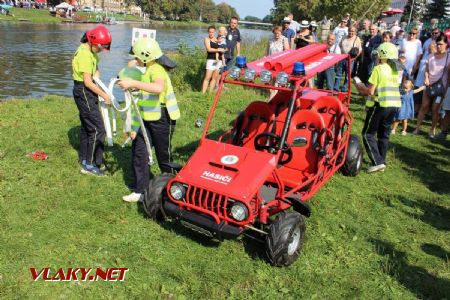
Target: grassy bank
column 379, row 236
column 43, row 16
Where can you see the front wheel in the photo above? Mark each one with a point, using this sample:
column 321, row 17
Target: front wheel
column 353, row 159
column 154, row 195
column 285, row 238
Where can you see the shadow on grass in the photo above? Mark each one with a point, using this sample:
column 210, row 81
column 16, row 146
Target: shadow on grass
column 426, row 167
column 436, row 251
column 433, row 214
column 120, row 160
column 416, row 279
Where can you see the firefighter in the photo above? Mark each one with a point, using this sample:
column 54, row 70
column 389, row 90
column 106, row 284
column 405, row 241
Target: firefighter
column 86, row 94
column 159, row 110
column 382, row 105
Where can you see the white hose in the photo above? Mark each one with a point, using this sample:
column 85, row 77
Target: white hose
column 125, row 112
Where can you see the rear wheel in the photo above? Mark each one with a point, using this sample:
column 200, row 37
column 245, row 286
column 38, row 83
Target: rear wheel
column 285, row 238
column 353, row 159
column 154, row 195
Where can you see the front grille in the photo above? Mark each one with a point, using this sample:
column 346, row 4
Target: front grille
column 207, row 200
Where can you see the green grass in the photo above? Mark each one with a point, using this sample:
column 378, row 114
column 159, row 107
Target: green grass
column 31, row 15
column 379, row 236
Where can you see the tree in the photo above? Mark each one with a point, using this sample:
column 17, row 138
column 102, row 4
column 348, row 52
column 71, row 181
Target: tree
column 225, row 12
column 267, row 19
column 335, row 9
column 417, row 12
column 438, row 9
column 252, row 19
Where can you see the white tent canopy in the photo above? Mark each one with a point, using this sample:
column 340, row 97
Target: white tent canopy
column 64, row 5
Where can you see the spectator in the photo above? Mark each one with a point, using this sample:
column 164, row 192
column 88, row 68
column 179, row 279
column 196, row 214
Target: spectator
column 411, row 49
column 364, row 33
column 398, row 38
column 436, row 69
column 395, row 28
column 325, row 28
column 420, row 79
column 288, row 32
column 446, row 120
column 407, row 110
column 369, row 57
column 278, row 42
column 313, row 28
column 234, row 38
column 212, row 66
column 341, row 31
column 329, row 74
column 294, row 24
column 304, row 37
column 426, row 45
column 347, row 44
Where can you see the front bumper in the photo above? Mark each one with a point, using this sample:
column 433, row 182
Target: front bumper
column 201, row 223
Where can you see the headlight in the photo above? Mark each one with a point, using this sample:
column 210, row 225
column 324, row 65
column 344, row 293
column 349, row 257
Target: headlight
column 249, row 75
column 235, row 72
column 282, row 79
column 239, row 211
column 265, row 76
column 177, row 191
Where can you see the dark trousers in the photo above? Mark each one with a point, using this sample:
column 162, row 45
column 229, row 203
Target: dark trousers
column 342, row 71
column 376, row 131
column 159, row 134
column 92, row 132
column 327, row 75
column 228, row 63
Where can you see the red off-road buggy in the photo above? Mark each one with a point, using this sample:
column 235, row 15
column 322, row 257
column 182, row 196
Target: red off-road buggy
column 275, row 157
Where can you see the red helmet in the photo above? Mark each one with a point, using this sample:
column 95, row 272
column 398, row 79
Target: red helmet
column 99, row 36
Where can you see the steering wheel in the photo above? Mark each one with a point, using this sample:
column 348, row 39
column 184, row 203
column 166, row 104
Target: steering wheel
column 271, row 145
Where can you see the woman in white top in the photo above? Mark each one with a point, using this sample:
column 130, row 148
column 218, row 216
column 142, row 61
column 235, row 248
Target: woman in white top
column 278, row 42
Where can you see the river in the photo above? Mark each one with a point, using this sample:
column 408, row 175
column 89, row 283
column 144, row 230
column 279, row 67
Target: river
column 35, row 59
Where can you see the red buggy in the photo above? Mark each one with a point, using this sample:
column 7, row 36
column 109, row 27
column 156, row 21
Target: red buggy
column 258, row 175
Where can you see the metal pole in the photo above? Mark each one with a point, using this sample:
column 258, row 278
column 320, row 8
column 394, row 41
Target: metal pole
column 410, row 12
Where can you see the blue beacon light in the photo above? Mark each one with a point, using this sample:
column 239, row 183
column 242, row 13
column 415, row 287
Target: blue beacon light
column 241, row 62
column 299, row 69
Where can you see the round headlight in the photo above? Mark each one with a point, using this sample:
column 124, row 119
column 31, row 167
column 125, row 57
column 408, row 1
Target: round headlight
column 235, row 72
column 239, row 211
column 265, row 76
column 177, row 191
column 282, row 79
column 249, row 75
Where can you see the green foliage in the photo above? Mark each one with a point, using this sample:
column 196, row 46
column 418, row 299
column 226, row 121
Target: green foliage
column 438, row 9
column 317, row 9
column 252, row 19
column 418, row 10
column 187, row 10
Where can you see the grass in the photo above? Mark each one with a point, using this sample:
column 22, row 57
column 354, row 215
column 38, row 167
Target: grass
column 378, row 236
column 30, row 15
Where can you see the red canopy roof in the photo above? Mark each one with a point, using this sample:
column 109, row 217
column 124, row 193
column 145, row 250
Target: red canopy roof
column 392, row 11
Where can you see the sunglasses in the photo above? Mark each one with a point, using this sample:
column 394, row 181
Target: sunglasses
column 439, row 44
column 413, row 33
column 435, row 33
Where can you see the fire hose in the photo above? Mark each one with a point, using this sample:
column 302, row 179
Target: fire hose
column 130, row 102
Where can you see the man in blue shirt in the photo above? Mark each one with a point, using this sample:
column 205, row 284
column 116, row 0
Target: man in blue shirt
column 288, row 32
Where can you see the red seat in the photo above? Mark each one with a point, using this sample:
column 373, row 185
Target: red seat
column 257, row 118
column 332, row 112
column 280, row 105
column 306, row 125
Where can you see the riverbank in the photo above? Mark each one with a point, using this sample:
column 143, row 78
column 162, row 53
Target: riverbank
column 42, row 16
column 382, row 235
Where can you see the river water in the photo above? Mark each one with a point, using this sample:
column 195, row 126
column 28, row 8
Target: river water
column 35, row 59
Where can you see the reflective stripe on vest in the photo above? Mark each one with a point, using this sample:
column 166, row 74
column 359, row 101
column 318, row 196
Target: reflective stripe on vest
column 387, row 95
column 150, row 103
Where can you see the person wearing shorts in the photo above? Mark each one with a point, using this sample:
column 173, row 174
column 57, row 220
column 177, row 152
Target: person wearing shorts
column 212, row 65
